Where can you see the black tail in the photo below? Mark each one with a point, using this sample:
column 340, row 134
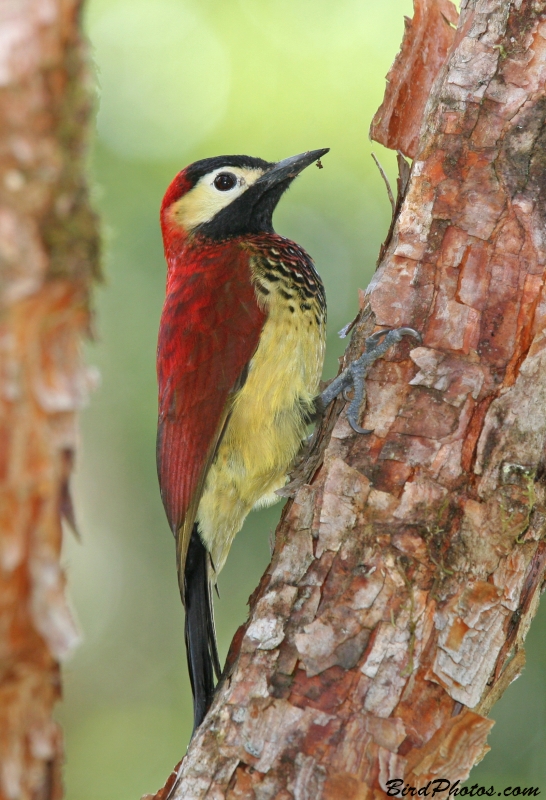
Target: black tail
column 200, row 635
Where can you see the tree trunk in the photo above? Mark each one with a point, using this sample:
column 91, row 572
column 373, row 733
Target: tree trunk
column 408, row 565
column 48, row 259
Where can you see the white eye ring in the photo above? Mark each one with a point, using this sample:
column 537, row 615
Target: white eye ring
column 225, row 181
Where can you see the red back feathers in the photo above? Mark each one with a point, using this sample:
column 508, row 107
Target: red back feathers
column 209, row 331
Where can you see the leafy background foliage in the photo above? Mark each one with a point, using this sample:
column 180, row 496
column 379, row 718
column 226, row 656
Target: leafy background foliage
column 180, row 80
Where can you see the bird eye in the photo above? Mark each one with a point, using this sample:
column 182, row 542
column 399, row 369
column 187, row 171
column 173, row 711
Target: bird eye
column 225, row 181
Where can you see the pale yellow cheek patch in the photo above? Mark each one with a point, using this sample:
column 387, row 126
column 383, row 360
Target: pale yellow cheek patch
column 204, row 201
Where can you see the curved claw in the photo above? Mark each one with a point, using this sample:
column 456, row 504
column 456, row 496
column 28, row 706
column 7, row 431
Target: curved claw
column 356, row 428
column 375, row 337
column 409, row 332
column 398, row 333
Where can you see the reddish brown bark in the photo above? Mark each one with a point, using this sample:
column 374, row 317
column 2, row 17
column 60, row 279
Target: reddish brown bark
column 428, row 38
column 48, row 255
column 409, row 563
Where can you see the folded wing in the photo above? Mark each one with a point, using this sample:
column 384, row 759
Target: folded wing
column 210, row 328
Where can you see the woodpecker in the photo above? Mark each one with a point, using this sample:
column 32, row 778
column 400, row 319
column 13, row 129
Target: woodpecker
column 240, row 354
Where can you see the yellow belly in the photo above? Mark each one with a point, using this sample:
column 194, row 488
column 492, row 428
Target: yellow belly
column 266, row 426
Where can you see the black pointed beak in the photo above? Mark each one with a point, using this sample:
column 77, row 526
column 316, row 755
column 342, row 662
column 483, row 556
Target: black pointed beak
column 289, row 168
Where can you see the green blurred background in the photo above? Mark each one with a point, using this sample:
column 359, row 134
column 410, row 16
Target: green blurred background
column 181, row 80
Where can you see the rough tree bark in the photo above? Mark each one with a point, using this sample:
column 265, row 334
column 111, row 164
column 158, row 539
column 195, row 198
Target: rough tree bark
column 409, row 563
column 48, row 259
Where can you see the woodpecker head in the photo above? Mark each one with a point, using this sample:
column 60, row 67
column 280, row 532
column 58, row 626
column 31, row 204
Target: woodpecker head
column 229, row 196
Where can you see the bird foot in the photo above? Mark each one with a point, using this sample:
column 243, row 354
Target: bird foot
column 354, row 376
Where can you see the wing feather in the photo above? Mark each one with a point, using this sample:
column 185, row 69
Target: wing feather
column 210, row 328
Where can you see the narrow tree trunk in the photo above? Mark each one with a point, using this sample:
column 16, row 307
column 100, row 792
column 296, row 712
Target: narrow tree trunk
column 409, row 563
column 48, row 258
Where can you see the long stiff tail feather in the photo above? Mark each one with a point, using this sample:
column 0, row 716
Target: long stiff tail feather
column 200, row 633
